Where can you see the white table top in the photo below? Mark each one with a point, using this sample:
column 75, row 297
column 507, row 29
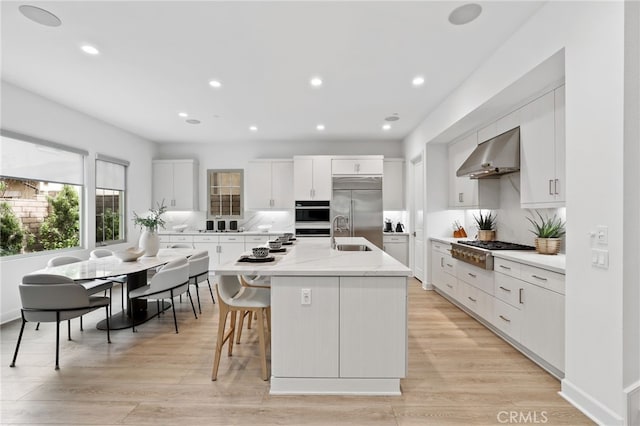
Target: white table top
column 111, row 266
column 315, row 257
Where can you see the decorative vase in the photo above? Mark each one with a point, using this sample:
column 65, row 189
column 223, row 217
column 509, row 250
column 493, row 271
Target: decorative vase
column 150, row 243
column 486, row 235
column 548, row 245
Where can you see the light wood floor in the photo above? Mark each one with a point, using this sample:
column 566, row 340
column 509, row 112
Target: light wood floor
column 459, row 374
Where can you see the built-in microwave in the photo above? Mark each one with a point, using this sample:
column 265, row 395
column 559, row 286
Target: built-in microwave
column 313, row 218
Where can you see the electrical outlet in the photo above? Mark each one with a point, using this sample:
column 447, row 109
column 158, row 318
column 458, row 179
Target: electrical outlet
column 305, row 296
column 602, row 234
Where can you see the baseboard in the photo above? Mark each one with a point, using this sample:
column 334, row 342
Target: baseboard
column 427, row 286
column 7, row 317
column 589, row 406
column 633, row 404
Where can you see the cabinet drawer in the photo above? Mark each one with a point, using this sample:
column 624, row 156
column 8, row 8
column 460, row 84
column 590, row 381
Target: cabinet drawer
column 440, row 247
column 256, row 239
column 231, row 239
column 449, row 265
column 205, row 239
column 164, row 238
column 480, row 278
column 507, row 267
column 543, row 278
column 507, row 319
column 181, row 238
column 474, row 299
column 507, row 289
column 394, row 238
column 450, row 286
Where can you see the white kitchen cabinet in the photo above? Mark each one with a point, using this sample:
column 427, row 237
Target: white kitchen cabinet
column 175, row 182
column 269, row 184
column 397, row 246
column 498, row 127
column 443, row 269
column 465, row 192
column 208, row 242
column 393, row 184
column 373, row 165
column 312, row 178
column 230, row 248
column 542, row 151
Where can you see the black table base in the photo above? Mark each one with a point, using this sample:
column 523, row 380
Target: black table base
column 122, row 320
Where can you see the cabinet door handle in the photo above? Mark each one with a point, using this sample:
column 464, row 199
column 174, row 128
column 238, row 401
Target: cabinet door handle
column 520, row 296
column 471, row 298
column 436, row 246
column 449, row 285
column 460, row 197
column 442, row 262
column 556, row 183
column 471, row 275
column 550, row 184
column 505, row 267
column 504, row 319
column 449, row 265
column 505, row 289
column 539, row 278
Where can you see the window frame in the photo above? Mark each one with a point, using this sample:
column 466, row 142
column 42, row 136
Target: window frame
column 122, row 201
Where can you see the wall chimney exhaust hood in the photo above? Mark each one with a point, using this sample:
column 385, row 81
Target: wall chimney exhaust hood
column 495, row 157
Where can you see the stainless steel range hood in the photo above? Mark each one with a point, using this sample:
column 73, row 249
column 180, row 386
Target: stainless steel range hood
column 495, row 157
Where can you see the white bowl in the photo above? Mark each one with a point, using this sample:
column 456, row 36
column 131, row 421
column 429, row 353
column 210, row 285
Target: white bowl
column 264, row 228
column 129, row 255
column 179, row 228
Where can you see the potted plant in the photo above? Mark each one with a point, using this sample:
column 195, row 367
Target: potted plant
column 486, row 226
column 548, row 232
column 149, row 239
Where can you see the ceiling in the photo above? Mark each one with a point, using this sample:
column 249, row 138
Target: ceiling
column 157, row 58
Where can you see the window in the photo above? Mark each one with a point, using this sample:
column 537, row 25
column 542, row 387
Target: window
column 41, row 189
column 111, row 180
column 225, row 194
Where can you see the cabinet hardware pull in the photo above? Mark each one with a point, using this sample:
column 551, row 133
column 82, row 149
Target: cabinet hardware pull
column 550, row 183
column 556, row 186
column 471, row 275
column 442, row 262
column 505, row 267
column 504, row 319
column 436, row 246
column 520, row 296
column 505, row 289
column 460, row 197
column 471, row 298
column 449, row 265
column 449, row 285
column 540, row 278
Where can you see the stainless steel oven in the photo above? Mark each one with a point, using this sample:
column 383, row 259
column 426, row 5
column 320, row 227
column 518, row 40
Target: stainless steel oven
column 313, row 218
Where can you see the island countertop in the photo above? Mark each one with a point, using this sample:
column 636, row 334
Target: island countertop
column 315, row 257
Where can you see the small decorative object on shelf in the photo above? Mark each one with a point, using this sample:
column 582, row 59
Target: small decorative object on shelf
column 549, row 233
column 149, row 239
column 486, row 226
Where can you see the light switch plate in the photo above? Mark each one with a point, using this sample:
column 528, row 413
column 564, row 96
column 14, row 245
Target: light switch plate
column 600, row 258
column 305, row 296
column 602, row 234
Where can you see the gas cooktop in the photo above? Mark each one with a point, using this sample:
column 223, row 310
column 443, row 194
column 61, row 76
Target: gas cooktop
column 495, row 245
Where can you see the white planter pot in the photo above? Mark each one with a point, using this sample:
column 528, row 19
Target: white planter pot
column 150, row 243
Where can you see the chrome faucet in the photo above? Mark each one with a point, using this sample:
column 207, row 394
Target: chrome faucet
column 340, row 228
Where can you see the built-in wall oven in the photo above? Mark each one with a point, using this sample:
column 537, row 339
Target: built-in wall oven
column 313, row 218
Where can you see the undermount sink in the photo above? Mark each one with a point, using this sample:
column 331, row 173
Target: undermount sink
column 352, row 247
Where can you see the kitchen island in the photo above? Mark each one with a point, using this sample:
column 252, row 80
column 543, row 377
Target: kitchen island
column 339, row 318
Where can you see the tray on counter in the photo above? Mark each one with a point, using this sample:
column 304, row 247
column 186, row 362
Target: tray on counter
column 288, row 243
column 253, row 259
column 280, row 250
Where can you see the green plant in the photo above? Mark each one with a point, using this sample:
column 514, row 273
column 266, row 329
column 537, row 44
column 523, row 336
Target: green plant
column 11, row 232
column 547, row 227
column 153, row 220
column 485, row 222
column 108, row 226
column 61, row 228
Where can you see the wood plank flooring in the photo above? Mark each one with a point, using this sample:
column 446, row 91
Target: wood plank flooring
column 459, row 374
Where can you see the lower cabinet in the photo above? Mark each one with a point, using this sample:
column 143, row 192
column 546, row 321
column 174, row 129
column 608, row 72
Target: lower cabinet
column 397, row 246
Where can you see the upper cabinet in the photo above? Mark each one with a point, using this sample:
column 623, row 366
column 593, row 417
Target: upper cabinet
column 465, row 192
column 393, row 184
column 369, row 165
column 269, row 184
column 312, row 177
column 542, row 151
column 175, row 182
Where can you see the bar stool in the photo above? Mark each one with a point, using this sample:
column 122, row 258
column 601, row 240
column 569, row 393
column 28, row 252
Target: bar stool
column 250, row 281
column 232, row 298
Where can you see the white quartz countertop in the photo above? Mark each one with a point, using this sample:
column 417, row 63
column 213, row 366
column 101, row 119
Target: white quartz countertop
column 315, row 257
column 192, row 233
column 555, row 263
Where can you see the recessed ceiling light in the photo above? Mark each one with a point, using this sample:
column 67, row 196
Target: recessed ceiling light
column 41, row 16
column 193, row 121
column 253, row 128
column 215, row 83
column 465, row 13
column 417, row 80
column 386, row 127
column 316, row 82
column 320, row 127
column 88, row 49
column 183, row 114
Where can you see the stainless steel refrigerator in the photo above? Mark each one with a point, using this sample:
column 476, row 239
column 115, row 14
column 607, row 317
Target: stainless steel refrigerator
column 359, row 199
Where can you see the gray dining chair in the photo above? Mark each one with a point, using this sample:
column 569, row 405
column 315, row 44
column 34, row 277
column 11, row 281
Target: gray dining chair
column 170, row 281
column 55, row 298
column 121, row 279
column 199, row 273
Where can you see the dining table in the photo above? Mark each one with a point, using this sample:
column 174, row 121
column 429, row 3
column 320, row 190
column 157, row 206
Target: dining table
column 136, row 271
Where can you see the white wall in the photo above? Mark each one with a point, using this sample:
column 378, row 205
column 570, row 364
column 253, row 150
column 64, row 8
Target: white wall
column 592, row 35
column 27, row 113
column 237, row 155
